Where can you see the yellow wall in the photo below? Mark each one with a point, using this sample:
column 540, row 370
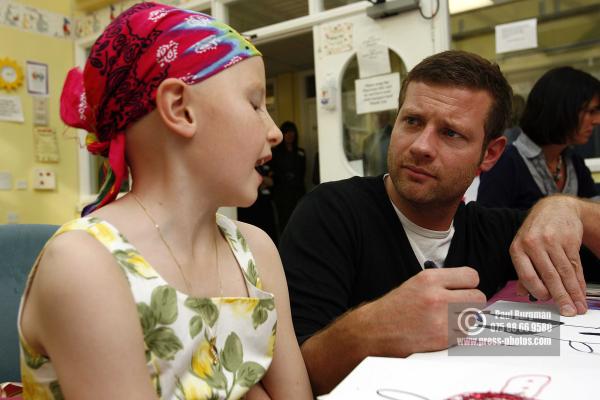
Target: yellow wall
column 16, row 139
column 284, row 96
column 289, row 102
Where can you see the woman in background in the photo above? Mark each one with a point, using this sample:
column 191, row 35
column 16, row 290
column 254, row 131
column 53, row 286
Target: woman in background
column 289, row 167
column 562, row 109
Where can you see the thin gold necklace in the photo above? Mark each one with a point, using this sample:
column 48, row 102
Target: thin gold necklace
column 188, row 285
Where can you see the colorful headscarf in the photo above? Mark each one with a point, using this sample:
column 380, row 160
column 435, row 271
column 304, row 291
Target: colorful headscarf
column 142, row 47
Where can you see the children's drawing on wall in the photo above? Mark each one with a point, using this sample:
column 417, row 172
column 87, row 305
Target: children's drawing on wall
column 34, row 19
column 12, row 15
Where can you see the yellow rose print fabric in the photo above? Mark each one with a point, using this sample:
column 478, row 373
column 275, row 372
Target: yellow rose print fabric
column 196, row 348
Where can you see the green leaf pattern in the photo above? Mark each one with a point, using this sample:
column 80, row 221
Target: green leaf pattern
column 55, row 390
column 261, row 311
column 233, row 353
column 230, row 338
column 251, row 273
column 206, row 309
column 231, row 358
column 249, row 373
column 32, row 360
column 164, row 304
column 195, row 326
column 160, row 340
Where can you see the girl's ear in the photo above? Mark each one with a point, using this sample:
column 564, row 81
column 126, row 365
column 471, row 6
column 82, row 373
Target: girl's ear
column 174, row 105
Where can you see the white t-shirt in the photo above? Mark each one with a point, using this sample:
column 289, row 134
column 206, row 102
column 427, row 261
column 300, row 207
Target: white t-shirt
column 427, row 245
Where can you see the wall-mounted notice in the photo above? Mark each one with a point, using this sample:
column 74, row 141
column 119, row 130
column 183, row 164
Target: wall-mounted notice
column 516, row 36
column 337, row 38
column 372, row 54
column 37, row 78
column 11, row 109
column 41, row 111
column 46, row 145
column 378, row 93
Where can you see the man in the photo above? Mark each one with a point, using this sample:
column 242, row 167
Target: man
column 355, row 250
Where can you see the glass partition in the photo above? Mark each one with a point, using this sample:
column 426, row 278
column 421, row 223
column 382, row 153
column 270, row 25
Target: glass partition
column 366, row 136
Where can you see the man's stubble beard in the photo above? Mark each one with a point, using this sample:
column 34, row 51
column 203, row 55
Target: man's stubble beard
column 441, row 195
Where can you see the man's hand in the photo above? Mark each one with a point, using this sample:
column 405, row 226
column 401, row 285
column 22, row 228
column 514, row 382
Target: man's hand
column 545, row 253
column 413, row 317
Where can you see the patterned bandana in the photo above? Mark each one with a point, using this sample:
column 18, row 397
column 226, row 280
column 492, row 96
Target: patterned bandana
column 145, row 45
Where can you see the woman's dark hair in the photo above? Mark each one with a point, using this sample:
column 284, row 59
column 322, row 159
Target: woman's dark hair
column 551, row 114
column 289, row 126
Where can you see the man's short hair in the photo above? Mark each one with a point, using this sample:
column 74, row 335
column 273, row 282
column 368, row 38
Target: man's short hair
column 551, row 114
column 467, row 70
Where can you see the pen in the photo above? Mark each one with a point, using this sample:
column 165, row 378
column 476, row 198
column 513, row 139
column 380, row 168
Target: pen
column 531, row 298
column 429, row 265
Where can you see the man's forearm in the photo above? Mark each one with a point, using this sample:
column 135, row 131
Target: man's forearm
column 333, row 352
column 589, row 212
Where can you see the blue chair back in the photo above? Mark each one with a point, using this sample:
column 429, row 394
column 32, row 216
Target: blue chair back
column 19, row 247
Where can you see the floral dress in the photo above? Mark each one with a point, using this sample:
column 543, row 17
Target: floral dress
column 196, row 348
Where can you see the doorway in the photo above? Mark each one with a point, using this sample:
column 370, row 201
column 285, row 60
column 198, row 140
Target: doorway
column 291, row 98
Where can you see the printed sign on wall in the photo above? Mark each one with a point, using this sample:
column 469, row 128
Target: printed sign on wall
column 378, row 93
column 37, row 78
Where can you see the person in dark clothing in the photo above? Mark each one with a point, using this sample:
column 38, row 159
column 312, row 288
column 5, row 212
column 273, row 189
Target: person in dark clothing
column 359, row 251
column 562, row 110
column 375, row 146
column 289, row 167
column 354, row 251
column 262, row 212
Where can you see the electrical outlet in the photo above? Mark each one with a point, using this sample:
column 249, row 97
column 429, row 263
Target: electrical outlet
column 44, row 179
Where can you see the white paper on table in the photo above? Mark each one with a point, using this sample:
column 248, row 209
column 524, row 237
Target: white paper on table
column 11, row 109
column 579, row 336
column 518, row 35
column 410, row 379
column 379, row 93
column 574, row 346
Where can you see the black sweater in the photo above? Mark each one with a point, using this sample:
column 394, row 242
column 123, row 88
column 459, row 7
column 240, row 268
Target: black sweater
column 345, row 245
column 510, row 184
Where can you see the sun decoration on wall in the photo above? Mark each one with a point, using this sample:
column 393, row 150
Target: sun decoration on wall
column 11, row 74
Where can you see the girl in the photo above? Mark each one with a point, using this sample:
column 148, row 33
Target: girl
column 154, row 295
